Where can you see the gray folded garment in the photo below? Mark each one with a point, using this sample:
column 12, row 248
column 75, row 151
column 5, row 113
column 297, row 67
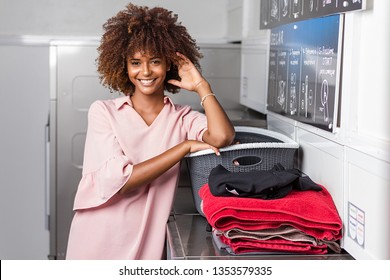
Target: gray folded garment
column 285, row 232
column 224, row 247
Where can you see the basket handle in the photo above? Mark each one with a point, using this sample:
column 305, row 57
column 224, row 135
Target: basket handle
column 247, row 161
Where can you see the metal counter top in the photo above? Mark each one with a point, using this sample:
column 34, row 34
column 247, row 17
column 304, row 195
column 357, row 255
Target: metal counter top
column 188, row 239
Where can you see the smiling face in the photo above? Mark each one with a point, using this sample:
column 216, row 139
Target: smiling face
column 147, row 73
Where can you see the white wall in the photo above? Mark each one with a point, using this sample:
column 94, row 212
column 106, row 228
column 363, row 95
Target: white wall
column 365, row 119
column 367, row 111
column 206, row 20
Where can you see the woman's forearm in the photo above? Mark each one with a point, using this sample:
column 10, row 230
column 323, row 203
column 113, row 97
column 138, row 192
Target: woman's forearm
column 147, row 171
column 220, row 130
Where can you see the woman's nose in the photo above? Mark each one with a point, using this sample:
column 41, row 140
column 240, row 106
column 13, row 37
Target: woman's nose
column 145, row 69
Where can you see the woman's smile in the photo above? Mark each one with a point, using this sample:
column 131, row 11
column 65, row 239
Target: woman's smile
column 146, row 82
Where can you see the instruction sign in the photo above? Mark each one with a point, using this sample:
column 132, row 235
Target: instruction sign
column 356, row 224
column 274, row 13
column 304, row 70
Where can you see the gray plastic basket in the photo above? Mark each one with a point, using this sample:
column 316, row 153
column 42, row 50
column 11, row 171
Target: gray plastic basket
column 258, row 149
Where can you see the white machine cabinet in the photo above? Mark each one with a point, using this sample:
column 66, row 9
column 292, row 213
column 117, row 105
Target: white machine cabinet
column 253, row 92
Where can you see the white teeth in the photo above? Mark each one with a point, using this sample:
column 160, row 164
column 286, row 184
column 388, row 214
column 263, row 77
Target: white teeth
column 146, row 82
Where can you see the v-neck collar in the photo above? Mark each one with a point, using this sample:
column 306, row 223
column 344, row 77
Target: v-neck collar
column 121, row 101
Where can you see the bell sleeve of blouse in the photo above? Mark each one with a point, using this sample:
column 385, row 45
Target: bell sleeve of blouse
column 105, row 169
column 195, row 124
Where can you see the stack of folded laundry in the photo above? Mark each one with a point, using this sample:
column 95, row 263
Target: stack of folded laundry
column 270, row 211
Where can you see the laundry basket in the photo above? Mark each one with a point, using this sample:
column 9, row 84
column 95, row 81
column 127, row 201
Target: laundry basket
column 256, row 149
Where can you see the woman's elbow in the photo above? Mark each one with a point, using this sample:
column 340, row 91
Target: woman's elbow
column 224, row 140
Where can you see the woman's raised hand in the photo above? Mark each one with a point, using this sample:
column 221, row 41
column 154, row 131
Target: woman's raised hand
column 191, row 79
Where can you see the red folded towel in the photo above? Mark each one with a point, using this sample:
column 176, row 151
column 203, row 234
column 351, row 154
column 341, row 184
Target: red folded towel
column 312, row 212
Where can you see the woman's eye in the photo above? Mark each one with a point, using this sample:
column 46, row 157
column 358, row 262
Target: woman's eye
column 134, row 63
column 156, row 62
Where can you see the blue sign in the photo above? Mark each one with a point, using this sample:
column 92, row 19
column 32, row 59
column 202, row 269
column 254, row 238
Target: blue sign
column 304, row 70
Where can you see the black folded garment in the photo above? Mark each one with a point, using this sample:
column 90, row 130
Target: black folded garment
column 273, row 184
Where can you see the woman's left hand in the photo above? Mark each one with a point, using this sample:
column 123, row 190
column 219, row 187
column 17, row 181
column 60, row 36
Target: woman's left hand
column 191, row 79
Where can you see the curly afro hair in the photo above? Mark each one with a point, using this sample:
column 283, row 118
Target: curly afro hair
column 141, row 29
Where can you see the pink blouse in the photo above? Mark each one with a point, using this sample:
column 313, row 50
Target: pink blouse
column 107, row 225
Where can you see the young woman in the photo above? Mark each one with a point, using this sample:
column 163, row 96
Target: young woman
column 135, row 143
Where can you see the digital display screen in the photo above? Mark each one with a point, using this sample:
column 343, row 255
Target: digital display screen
column 304, row 70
